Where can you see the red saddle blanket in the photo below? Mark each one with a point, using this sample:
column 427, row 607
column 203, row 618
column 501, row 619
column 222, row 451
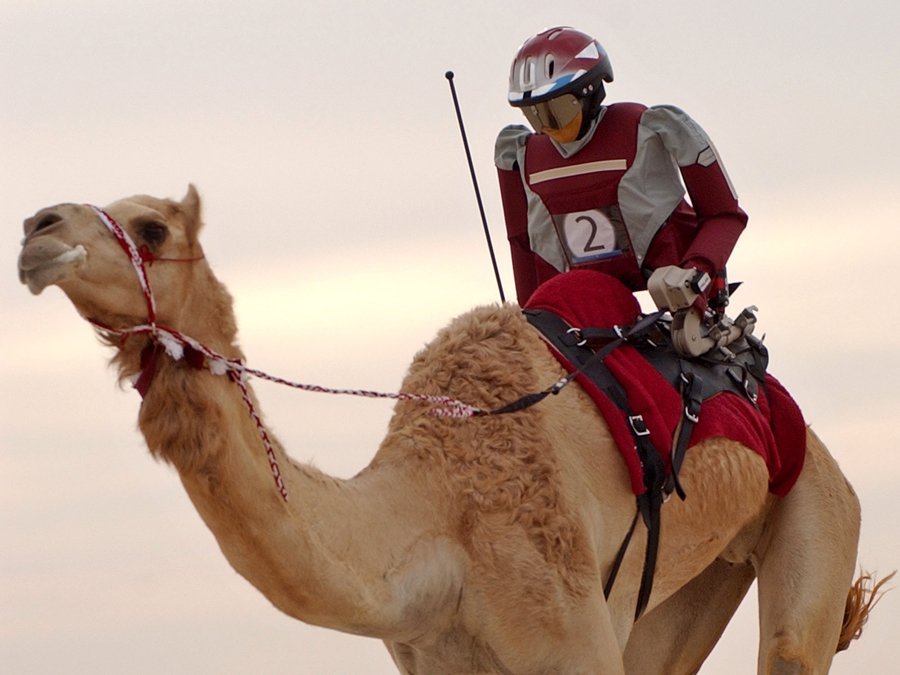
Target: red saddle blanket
column 775, row 428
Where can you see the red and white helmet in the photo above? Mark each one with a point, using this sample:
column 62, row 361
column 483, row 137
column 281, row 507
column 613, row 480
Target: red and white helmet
column 558, row 61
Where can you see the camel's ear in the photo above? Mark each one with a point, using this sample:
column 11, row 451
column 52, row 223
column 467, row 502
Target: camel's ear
column 190, row 205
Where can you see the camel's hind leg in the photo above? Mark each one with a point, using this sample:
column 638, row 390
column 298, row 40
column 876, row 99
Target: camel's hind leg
column 676, row 637
column 805, row 566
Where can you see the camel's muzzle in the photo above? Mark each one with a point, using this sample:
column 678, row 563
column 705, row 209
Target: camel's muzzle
column 46, row 258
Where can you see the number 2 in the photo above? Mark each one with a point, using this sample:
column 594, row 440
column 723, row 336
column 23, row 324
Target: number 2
column 590, row 245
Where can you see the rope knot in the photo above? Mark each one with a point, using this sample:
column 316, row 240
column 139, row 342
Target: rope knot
column 173, row 347
column 217, row 366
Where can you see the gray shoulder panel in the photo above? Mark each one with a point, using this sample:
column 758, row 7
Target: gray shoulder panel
column 507, row 148
column 683, row 138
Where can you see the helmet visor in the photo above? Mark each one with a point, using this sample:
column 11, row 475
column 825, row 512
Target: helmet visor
column 555, row 113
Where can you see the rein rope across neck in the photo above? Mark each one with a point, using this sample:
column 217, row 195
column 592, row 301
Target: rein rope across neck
column 180, row 346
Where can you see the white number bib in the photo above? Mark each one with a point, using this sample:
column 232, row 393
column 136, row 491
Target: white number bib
column 588, row 236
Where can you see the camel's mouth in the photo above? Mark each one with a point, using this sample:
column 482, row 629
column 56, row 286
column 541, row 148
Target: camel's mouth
column 45, row 261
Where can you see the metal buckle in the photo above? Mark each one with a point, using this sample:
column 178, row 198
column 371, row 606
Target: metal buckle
column 692, row 401
column 577, row 331
column 638, row 426
column 754, row 397
column 693, row 417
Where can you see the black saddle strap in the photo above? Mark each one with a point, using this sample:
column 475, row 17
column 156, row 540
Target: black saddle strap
column 548, row 324
column 691, row 394
column 620, row 555
column 649, row 503
column 649, row 506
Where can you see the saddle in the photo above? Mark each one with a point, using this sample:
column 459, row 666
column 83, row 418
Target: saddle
column 652, row 397
column 740, row 370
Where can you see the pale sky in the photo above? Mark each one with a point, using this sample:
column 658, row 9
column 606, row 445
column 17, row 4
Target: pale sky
column 340, row 214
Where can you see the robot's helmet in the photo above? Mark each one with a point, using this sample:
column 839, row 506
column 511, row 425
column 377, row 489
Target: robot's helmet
column 557, row 61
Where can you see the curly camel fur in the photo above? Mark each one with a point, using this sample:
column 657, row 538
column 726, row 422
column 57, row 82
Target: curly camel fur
column 468, row 546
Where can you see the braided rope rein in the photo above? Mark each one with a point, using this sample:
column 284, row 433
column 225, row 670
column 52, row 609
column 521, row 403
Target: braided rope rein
column 174, row 343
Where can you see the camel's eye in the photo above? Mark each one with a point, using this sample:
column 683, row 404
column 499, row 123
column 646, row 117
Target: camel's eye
column 153, row 233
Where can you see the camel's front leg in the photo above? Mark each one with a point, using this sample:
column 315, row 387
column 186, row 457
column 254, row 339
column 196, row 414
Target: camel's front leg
column 578, row 641
column 805, row 567
column 592, row 646
column 586, row 645
column 676, row 637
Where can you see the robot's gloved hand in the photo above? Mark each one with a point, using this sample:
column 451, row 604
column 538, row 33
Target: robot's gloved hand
column 682, row 292
column 674, row 288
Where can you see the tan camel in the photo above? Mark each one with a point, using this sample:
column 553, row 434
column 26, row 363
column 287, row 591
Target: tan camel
column 468, row 546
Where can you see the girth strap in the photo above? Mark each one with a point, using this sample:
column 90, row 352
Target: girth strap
column 649, row 503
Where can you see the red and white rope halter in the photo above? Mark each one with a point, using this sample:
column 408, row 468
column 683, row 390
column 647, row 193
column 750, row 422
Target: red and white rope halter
column 175, row 343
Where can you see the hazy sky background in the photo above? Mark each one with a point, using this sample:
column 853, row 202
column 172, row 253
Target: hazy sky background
column 340, row 214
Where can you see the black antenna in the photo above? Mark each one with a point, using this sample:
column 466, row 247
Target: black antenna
column 487, row 233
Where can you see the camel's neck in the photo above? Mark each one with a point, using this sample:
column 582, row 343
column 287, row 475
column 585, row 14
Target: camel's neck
column 192, row 418
column 197, row 420
column 314, row 555
column 332, row 552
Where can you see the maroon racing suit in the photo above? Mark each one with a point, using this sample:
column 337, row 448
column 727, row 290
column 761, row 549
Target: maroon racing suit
column 614, row 200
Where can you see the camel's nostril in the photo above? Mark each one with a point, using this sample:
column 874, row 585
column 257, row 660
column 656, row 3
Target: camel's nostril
column 47, row 221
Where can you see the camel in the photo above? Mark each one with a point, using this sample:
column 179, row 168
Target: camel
column 475, row 545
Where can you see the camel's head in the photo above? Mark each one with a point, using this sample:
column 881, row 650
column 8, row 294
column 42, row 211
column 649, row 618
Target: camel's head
column 69, row 246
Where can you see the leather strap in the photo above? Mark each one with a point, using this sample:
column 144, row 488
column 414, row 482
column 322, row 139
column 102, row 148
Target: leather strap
column 649, row 503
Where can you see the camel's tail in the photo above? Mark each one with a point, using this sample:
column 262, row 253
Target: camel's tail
column 861, row 600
